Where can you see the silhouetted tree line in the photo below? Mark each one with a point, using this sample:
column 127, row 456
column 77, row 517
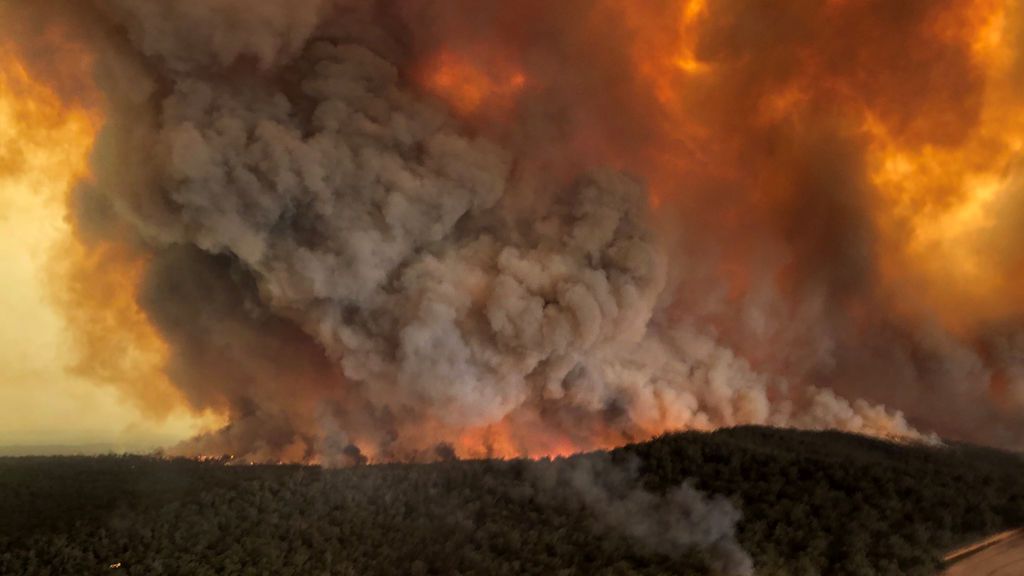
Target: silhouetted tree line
column 835, row 504
column 812, row 503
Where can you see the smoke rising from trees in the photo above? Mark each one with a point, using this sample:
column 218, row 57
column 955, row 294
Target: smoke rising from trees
column 352, row 263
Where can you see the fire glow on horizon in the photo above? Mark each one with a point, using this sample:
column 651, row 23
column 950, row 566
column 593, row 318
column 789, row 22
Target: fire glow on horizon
column 810, row 194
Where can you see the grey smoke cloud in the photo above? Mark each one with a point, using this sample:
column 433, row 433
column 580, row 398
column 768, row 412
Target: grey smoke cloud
column 332, row 256
column 678, row 521
column 192, row 35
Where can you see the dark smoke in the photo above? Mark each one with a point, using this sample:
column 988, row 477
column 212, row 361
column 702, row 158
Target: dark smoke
column 349, row 270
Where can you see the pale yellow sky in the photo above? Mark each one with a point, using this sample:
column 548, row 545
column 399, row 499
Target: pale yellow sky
column 41, row 402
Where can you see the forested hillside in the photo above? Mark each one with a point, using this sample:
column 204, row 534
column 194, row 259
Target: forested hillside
column 811, row 503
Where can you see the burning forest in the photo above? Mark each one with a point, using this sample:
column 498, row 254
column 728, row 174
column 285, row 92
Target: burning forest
column 405, row 230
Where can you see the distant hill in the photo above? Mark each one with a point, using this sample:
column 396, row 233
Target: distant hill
column 811, row 503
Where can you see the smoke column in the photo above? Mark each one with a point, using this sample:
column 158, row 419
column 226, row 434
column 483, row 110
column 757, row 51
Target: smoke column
column 393, row 229
column 681, row 520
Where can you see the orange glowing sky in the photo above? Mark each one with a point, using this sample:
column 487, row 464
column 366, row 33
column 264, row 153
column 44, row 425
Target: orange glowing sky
column 471, row 87
column 79, row 362
column 44, row 397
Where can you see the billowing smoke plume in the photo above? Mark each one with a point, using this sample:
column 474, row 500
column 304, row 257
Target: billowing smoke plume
column 369, row 229
column 680, row 521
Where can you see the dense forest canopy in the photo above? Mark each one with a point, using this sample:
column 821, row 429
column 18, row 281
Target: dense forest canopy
column 811, row 503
